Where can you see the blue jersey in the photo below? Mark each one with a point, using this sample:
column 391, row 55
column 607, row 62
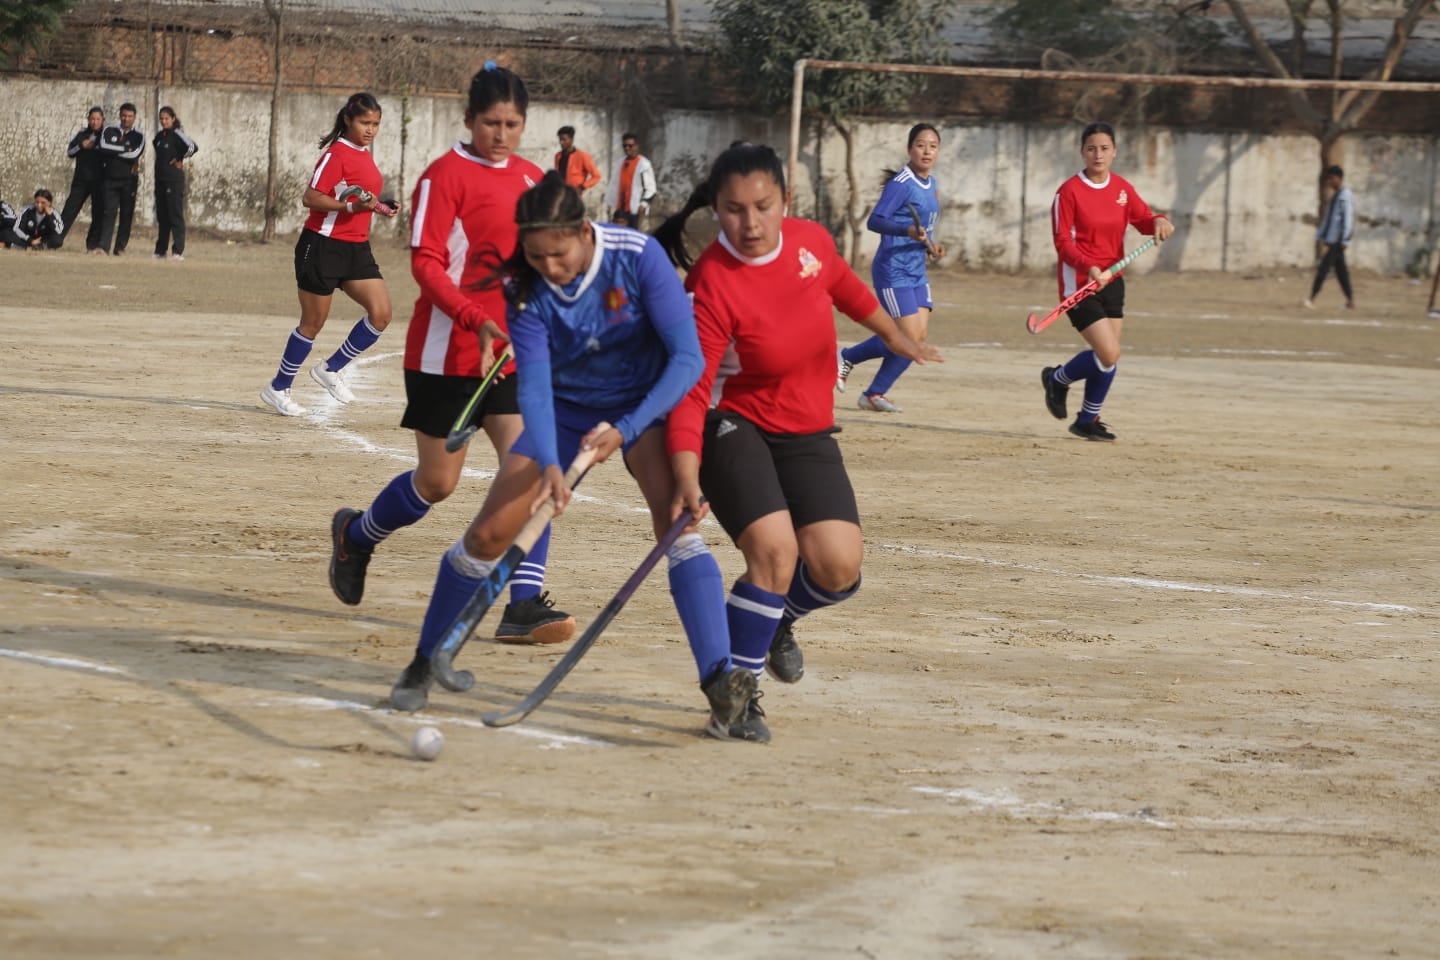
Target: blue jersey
column 900, row 261
column 618, row 340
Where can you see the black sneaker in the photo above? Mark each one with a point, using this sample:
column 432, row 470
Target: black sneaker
column 535, row 620
column 412, row 691
column 785, row 662
column 348, row 559
column 729, row 693
column 1094, row 430
column 1054, row 393
column 750, row 727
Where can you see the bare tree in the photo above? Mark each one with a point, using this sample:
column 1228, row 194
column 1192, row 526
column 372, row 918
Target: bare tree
column 276, row 11
column 1345, row 109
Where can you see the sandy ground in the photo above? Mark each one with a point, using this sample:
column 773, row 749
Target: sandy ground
column 1172, row 697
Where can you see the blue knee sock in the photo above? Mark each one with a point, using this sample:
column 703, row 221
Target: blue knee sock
column 362, row 337
column 1082, row 366
column 698, row 590
column 1096, row 387
column 753, row 615
column 459, row 577
column 398, row 505
column 871, row 349
column 529, row 577
column 297, row 348
column 805, row 597
column 890, row 370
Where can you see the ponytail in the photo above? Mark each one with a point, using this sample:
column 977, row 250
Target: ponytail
column 741, row 159
column 359, row 103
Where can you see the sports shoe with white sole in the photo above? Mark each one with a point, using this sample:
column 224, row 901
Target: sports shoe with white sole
column 842, row 369
column 333, row 381
column 785, row 661
column 535, row 620
column 281, row 402
column 878, row 402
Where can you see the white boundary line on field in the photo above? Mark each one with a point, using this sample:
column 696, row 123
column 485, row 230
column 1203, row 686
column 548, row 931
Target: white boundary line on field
column 554, row 741
column 63, row 662
column 1148, row 582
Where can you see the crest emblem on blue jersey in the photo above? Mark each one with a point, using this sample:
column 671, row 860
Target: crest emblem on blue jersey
column 615, row 306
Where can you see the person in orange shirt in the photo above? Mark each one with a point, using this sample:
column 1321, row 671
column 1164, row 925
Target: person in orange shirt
column 576, row 166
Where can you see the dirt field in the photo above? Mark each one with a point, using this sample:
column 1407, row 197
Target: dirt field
column 1172, row 697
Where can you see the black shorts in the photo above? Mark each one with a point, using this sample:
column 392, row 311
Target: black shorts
column 1108, row 301
column 433, row 401
column 323, row 263
column 747, row 473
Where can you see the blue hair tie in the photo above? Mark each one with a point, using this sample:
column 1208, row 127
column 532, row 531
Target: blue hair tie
column 490, row 65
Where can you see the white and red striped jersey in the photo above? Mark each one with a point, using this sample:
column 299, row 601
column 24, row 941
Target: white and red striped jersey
column 1089, row 220
column 777, row 314
column 344, row 165
column 462, row 226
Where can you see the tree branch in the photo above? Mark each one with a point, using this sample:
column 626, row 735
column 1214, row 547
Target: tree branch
column 1353, row 106
column 1298, row 101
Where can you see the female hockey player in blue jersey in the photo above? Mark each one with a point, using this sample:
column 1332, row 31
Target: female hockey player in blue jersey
column 605, row 345
column 905, row 219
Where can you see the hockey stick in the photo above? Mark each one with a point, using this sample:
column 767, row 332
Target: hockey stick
column 442, row 661
column 1034, row 324
column 463, row 429
column 929, row 247
column 504, row 718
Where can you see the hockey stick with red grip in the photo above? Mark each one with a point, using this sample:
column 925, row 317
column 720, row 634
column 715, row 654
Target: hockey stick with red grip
column 1034, row 323
column 442, row 661
column 504, row 718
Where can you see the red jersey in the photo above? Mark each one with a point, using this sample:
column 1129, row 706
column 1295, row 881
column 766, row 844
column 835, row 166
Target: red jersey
column 341, row 166
column 776, row 312
column 462, row 226
column 1089, row 220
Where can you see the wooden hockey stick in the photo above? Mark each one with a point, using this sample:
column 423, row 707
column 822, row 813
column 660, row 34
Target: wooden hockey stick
column 504, row 718
column 463, row 429
column 1034, row 324
column 442, row 661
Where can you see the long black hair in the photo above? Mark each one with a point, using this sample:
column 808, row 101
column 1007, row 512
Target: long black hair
column 1099, row 126
column 359, row 103
column 495, row 84
column 888, row 173
column 552, row 204
column 741, row 159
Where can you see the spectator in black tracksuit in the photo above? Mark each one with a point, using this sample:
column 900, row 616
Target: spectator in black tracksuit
column 7, row 220
column 172, row 147
column 38, row 227
column 88, row 182
column 122, row 145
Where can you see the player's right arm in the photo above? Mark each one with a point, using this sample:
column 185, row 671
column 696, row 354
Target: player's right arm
column 1062, row 221
column 433, row 216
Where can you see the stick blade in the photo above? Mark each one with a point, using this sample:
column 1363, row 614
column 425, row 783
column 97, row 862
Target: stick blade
column 1032, row 323
column 458, row 440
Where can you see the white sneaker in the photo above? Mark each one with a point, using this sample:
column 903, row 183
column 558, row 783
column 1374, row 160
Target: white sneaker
column 842, row 369
column 177, row 256
column 878, row 402
column 1307, row 304
column 281, row 401
column 332, row 381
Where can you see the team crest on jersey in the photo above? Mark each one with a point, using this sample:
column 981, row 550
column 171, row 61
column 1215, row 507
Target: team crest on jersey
column 809, row 264
column 615, row 304
column 1123, row 199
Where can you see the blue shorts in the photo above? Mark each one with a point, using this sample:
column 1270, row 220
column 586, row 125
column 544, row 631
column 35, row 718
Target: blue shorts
column 904, row 301
column 571, row 425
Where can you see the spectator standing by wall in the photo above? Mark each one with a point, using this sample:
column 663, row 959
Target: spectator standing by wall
column 38, row 227
column 576, row 166
column 632, row 186
column 173, row 147
column 122, row 145
column 1335, row 231
column 89, row 179
column 7, row 220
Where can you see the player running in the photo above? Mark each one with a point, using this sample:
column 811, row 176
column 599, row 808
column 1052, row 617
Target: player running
column 605, row 345
column 334, row 251
column 905, row 218
column 1090, row 215
column 462, row 227
column 766, row 455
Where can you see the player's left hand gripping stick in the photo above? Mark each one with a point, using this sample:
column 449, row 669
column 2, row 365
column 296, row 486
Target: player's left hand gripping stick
column 442, row 661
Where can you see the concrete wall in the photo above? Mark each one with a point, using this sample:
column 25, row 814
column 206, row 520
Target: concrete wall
column 1242, row 201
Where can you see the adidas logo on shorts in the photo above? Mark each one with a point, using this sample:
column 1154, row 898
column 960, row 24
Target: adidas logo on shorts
column 726, row 426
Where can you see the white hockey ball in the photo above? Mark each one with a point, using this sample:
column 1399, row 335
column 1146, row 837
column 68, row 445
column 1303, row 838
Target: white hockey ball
column 427, row 742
